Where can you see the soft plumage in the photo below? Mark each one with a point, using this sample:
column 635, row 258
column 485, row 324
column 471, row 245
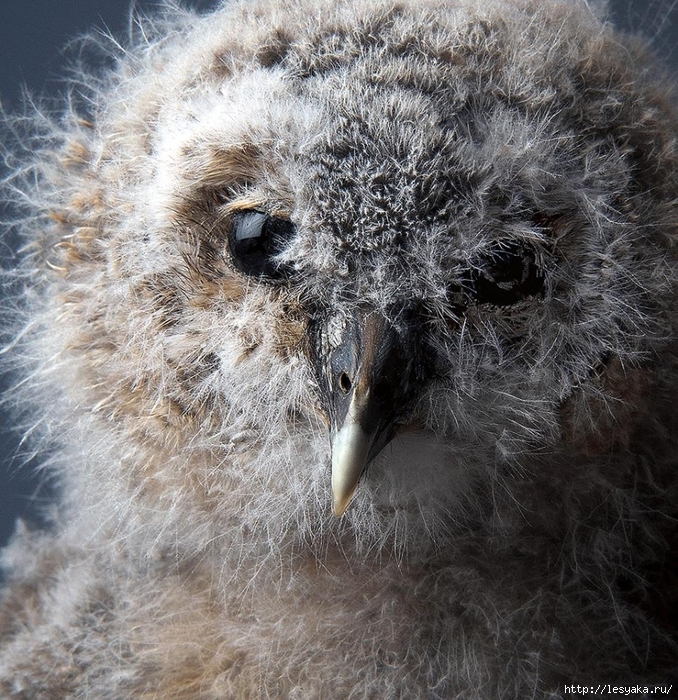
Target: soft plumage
column 412, row 262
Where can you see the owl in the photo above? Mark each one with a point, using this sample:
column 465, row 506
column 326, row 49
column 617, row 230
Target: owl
column 346, row 331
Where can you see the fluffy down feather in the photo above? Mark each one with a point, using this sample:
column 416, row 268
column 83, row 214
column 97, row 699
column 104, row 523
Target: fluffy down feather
column 497, row 184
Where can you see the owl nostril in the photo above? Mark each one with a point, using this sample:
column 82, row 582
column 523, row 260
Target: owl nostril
column 345, row 383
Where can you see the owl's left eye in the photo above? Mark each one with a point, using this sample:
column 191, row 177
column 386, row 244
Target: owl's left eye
column 256, row 239
column 506, row 274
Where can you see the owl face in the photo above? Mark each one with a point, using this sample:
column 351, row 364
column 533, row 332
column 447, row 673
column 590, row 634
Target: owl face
column 397, row 256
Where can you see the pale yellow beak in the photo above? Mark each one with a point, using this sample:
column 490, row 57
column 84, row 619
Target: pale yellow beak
column 366, row 379
column 350, row 449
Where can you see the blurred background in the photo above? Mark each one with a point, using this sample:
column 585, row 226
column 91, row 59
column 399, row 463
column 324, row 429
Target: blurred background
column 33, row 34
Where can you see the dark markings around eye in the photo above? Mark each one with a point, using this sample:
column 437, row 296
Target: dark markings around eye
column 255, row 240
column 505, row 275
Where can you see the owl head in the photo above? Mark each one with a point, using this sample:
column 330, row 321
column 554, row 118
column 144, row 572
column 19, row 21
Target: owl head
column 366, row 259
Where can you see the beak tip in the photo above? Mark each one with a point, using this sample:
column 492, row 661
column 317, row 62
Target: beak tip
column 338, row 511
column 340, row 505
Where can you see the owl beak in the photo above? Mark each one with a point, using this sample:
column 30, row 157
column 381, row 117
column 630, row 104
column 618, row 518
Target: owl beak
column 368, row 380
column 350, row 450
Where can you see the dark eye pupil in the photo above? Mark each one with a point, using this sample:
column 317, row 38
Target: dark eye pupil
column 255, row 239
column 506, row 275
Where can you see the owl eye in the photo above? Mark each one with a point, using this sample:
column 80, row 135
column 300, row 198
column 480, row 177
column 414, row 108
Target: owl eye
column 255, row 239
column 506, row 275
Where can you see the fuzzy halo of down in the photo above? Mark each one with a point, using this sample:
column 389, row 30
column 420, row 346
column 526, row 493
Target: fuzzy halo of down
column 516, row 534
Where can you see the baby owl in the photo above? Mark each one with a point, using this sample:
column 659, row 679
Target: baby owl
column 346, row 330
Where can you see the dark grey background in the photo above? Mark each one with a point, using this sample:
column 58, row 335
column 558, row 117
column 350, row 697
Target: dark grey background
column 33, row 34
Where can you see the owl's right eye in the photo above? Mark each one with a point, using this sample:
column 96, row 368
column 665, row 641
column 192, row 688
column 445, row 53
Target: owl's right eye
column 256, row 239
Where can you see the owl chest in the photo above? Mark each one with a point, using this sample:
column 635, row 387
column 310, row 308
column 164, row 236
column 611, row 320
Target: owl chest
column 315, row 633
